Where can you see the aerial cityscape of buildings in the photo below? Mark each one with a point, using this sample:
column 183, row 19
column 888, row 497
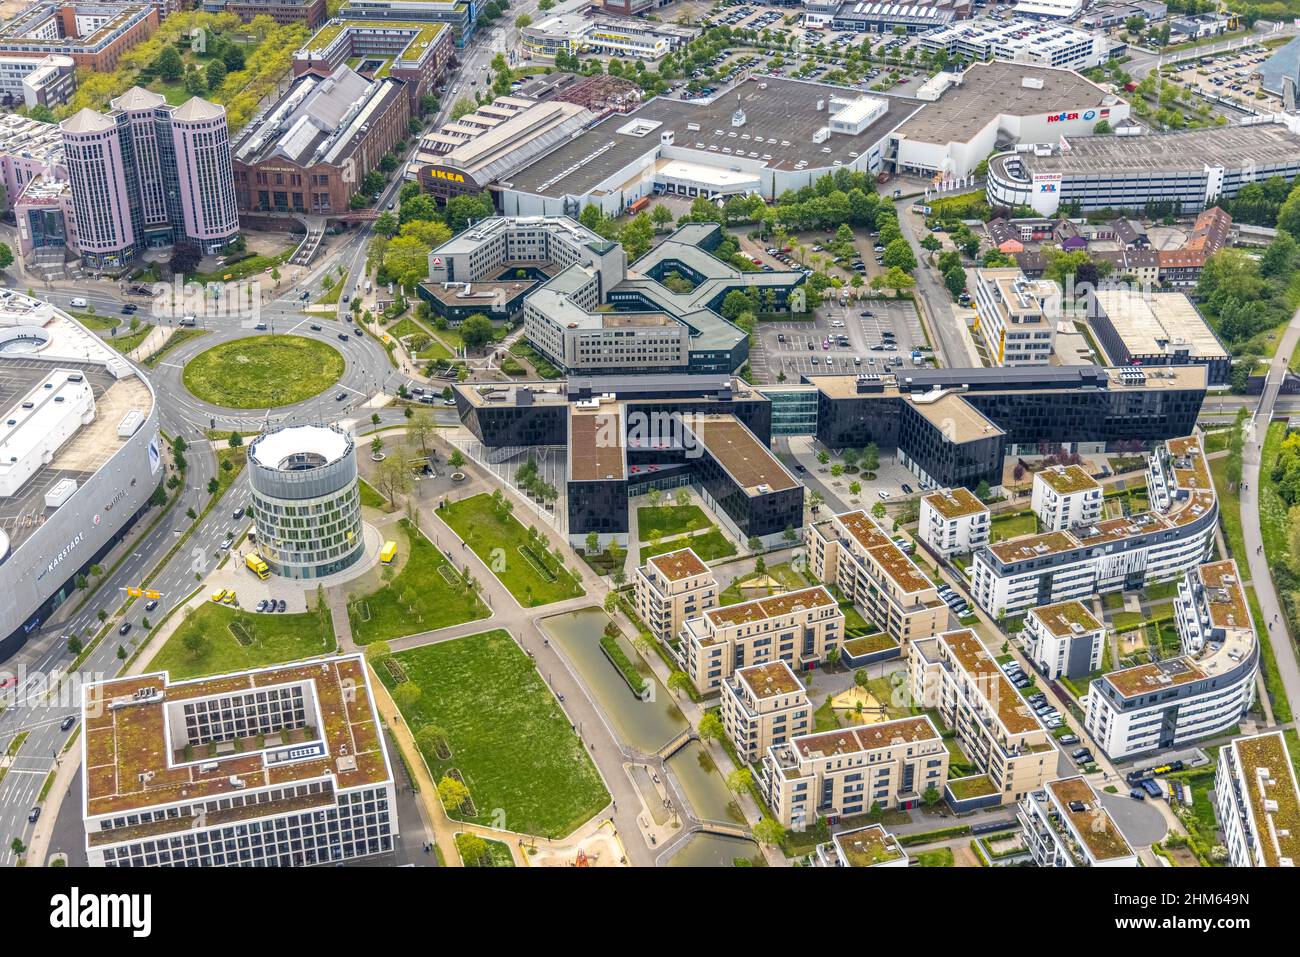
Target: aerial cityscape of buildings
column 643, row 433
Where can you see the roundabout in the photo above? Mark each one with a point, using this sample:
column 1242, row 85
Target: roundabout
column 261, row 372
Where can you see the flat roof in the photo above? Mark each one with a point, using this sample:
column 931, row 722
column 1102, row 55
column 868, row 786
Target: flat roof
column 1158, row 323
column 675, row 566
column 778, row 131
column 868, row 737
column 132, row 763
column 1269, row 781
column 1224, row 598
column 775, row 606
column 280, row 448
column 1060, row 618
column 1091, row 824
column 989, row 89
column 955, row 503
column 748, row 461
column 1154, row 676
column 770, row 679
column 892, row 560
column 957, row 419
column 1067, row 479
column 867, row 846
column 1263, row 144
column 596, row 444
column 990, row 683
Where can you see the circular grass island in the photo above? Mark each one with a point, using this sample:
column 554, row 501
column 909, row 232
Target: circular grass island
column 262, row 372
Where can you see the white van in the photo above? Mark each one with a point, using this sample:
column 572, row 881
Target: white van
column 78, row 303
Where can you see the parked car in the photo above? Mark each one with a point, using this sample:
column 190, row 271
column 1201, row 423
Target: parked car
column 261, row 605
column 1137, row 794
column 1069, row 739
column 280, row 605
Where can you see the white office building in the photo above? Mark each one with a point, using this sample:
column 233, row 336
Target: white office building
column 279, row 767
column 1065, row 639
column 1203, row 692
column 1021, row 41
column 1065, row 496
column 953, row 521
column 1015, row 316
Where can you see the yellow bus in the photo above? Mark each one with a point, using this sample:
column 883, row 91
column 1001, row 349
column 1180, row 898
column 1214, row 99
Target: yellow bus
column 388, row 553
column 257, row 566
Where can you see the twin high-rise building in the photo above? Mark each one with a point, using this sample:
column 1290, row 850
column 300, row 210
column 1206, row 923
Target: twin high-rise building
column 148, row 175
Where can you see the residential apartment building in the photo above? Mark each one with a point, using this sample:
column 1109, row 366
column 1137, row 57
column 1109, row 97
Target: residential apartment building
column 1065, row 496
column 870, row 846
column 954, row 673
column 1065, row 639
column 94, row 35
column 671, row 588
column 415, row 52
column 147, row 175
column 1258, row 801
column 847, row 772
column 953, row 521
column 853, row 552
column 799, row 628
column 282, row 766
column 1111, row 554
column 1066, row 825
column 763, row 705
column 1203, row 692
column 1015, row 316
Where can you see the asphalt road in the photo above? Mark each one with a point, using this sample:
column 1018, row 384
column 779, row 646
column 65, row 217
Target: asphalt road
column 367, row 371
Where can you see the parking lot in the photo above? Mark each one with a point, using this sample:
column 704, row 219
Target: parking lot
column 1229, row 77
column 816, row 348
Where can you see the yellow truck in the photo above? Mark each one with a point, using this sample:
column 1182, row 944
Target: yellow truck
column 257, row 566
column 388, row 553
column 219, row 595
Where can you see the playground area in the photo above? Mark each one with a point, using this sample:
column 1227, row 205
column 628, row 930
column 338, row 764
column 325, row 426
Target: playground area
column 599, row 848
column 859, row 706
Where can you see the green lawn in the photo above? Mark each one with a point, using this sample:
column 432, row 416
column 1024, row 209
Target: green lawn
column 1229, row 509
column 939, row 857
column 370, row 497
column 263, row 371
column 177, row 337
column 498, row 854
column 125, row 342
column 708, row 546
column 544, row 367
column 419, row 339
column 1272, row 510
column 418, row 598
column 508, row 737
column 532, row 574
column 95, row 321
column 666, row 520
column 275, row 639
column 1011, row 525
column 784, row 573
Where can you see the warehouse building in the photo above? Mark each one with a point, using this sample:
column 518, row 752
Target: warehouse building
column 1180, row 172
column 994, row 106
column 1156, row 329
column 765, row 136
column 310, row 151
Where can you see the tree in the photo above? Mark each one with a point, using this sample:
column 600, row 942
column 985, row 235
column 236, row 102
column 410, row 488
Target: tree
column 982, row 491
column 679, row 682
column 216, row 74
column 878, row 510
column 710, row 727
column 655, row 496
column 740, row 780
column 386, row 224
column 406, row 694
column 661, row 216
column 430, row 739
column 473, row 850
column 955, row 280
column 476, row 331
column 931, row 796
column 456, row 460
column 898, row 253
column 593, row 543
column 74, row 644
column 421, row 429
column 185, row 258
column 6, row 256
column 870, row 457
column 195, row 641
column 392, row 478
column 406, row 260
column 463, row 107
column 769, row 831
column 377, row 651
column 169, row 66
column 523, row 20
column 452, row 793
